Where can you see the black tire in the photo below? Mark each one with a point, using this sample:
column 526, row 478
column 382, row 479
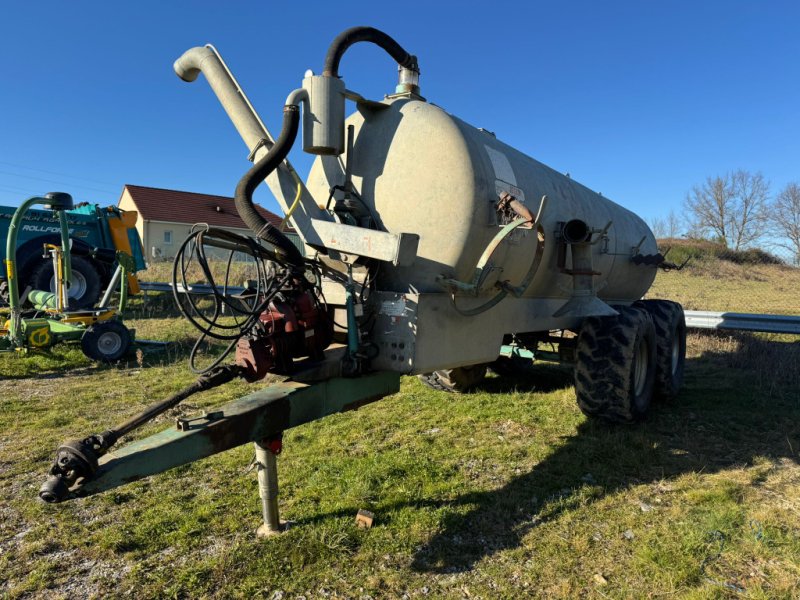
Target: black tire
column 460, row 379
column 670, row 324
column 84, row 294
column 107, row 341
column 615, row 367
column 4, row 295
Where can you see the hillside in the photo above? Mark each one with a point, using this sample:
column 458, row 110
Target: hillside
column 720, row 280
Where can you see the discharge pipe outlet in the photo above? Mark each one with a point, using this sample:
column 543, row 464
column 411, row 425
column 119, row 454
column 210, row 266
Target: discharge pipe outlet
column 576, row 232
column 583, row 301
column 206, row 60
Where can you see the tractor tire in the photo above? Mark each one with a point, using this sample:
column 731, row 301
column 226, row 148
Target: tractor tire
column 616, row 364
column 460, row 379
column 4, row 295
column 670, row 325
column 85, row 290
column 107, row 341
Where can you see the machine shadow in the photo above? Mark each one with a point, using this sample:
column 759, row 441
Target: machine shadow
column 710, row 428
column 537, row 378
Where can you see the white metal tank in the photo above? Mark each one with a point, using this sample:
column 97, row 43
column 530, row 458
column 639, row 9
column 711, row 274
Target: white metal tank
column 421, row 170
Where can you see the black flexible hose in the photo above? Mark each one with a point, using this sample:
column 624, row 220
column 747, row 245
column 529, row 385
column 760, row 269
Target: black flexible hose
column 365, row 34
column 212, row 327
column 257, row 173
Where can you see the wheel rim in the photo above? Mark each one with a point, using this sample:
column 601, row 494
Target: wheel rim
column 640, row 368
column 675, row 356
column 109, row 343
column 76, row 289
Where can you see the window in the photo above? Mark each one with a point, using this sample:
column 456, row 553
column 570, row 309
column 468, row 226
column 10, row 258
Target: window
column 168, row 238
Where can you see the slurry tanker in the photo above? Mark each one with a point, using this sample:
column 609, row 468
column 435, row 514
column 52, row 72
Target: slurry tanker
column 432, row 249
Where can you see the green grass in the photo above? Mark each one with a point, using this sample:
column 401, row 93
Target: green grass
column 728, row 287
column 506, row 492
column 500, row 493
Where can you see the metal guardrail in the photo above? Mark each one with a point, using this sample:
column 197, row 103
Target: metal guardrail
column 702, row 319
column 696, row 319
column 200, row 288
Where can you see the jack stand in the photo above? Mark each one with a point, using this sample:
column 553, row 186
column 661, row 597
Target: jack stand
column 267, row 467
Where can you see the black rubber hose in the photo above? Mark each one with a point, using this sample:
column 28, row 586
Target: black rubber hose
column 257, row 173
column 365, row 34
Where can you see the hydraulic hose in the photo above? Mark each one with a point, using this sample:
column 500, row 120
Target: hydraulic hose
column 365, row 34
column 257, row 173
column 293, row 206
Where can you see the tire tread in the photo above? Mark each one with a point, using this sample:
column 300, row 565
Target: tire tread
column 605, row 355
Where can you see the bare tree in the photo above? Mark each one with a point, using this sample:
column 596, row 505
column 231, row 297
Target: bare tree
column 786, row 218
column 667, row 227
column 673, row 224
column 749, row 221
column 658, row 227
column 732, row 208
column 710, row 205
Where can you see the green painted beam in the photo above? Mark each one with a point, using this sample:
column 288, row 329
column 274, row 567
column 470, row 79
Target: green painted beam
column 260, row 415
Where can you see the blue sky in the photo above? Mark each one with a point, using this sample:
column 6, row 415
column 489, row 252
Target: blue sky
column 638, row 100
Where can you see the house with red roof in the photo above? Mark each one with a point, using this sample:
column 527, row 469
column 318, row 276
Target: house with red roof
column 166, row 217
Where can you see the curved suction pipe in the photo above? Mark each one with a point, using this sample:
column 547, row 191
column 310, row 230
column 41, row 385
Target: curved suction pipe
column 296, row 97
column 257, row 173
column 365, row 34
column 187, row 67
column 206, row 59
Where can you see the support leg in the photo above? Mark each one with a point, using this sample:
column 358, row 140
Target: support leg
column 267, row 466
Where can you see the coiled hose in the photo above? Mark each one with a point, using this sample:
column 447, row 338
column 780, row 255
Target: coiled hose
column 245, row 313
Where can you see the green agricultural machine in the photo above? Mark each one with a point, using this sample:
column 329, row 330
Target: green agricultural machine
column 40, row 319
column 432, row 249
